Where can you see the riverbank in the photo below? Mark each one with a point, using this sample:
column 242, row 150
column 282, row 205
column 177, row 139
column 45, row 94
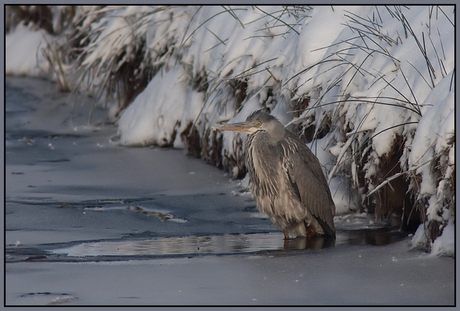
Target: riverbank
column 90, row 222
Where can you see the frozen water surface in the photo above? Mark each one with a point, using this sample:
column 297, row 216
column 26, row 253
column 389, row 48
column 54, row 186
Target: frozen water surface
column 89, row 222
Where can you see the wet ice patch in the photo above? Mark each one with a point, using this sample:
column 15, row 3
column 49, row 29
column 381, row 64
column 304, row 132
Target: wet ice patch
column 219, row 244
column 225, row 244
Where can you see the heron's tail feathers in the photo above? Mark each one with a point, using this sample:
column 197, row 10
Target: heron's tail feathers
column 329, row 229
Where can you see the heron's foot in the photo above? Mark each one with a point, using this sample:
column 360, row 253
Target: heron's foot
column 311, row 232
column 286, row 235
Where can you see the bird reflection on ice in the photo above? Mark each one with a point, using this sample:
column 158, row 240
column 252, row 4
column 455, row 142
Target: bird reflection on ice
column 218, row 244
column 225, row 244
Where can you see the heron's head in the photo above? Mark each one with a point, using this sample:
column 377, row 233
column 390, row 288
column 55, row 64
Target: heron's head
column 258, row 121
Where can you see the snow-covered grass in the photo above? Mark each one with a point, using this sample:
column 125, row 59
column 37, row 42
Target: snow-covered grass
column 370, row 88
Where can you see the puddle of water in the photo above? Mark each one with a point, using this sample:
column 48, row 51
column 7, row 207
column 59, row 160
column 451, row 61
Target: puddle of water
column 376, row 237
column 218, row 244
column 225, row 244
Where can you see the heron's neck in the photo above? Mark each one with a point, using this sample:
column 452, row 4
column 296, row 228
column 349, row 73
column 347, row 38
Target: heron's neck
column 276, row 137
column 277, row 134
column 265, row 140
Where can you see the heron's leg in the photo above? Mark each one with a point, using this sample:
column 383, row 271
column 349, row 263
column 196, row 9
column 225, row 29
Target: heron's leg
column 286, row 235
column 310, row 230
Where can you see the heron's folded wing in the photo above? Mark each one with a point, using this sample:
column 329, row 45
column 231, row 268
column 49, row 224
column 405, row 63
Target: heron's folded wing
column 309, row 183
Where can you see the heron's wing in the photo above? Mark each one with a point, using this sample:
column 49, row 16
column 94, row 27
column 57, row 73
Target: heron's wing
column 308, row 181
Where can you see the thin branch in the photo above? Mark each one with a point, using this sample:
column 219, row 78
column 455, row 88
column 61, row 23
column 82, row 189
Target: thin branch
column 387, row 181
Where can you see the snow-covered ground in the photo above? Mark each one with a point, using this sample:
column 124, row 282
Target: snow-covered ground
column 373, row 76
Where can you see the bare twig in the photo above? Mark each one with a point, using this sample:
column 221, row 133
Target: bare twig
column 389, row 179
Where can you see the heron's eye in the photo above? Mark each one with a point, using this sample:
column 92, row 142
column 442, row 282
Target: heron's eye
column 258, row 124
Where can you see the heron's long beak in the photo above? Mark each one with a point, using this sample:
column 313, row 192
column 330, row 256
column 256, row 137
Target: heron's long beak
column 241, row 127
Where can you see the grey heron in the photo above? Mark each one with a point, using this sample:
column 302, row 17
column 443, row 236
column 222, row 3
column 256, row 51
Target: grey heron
column 285, row 177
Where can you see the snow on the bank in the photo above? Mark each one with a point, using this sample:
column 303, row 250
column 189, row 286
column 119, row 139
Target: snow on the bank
column 445, row 244
column 434, row 131
column 23, row 52
column 147, row 120
column 363, row 56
